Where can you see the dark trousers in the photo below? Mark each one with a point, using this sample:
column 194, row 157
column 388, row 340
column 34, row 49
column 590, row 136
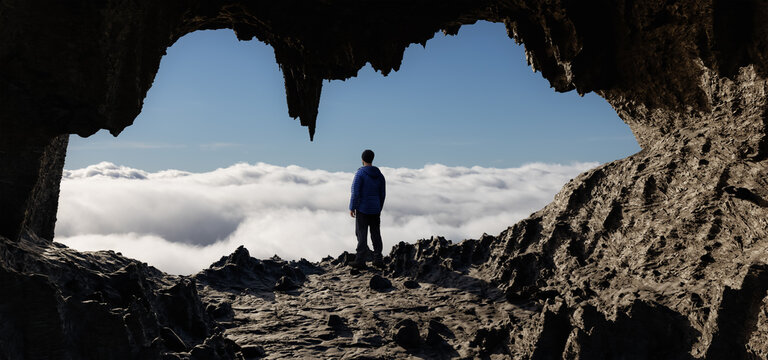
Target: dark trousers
column 362, row 222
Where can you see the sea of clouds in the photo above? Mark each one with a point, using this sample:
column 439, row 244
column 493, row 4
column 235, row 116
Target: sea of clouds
column 181, row 222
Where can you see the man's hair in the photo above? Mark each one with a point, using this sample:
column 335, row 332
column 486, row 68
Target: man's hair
column 368, row 155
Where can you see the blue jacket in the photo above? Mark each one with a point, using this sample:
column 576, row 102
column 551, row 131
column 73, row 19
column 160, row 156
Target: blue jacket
column 368, row 191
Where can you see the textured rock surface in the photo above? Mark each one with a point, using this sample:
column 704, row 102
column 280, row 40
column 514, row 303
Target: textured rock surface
column 61, row 304
column 665, row 67
column 338, row 315
column 668, row 233
column 659, row 255
column 59, row 294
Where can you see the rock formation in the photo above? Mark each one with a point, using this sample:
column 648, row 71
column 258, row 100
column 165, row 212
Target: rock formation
column 659, row 255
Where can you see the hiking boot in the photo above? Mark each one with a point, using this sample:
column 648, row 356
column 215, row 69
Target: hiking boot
column 378, row 264
column 358, row 265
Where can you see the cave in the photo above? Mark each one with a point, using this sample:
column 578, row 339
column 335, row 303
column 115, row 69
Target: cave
column 658, row 255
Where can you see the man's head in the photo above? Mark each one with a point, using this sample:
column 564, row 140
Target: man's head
column 368, row 156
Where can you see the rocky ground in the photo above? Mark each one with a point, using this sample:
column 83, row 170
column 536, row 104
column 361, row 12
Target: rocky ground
column 427, row 302
column 342, row 313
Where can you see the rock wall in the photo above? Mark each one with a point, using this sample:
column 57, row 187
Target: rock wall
column 29, row 182
column 77, row 68
column 71, row 305
column 682, row 234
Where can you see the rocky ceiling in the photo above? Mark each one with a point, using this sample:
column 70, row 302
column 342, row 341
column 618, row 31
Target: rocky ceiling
column 75, row 68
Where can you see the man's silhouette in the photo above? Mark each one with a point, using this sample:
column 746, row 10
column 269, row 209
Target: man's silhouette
column 365, row 204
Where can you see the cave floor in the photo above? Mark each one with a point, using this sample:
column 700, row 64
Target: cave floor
column 295, row 324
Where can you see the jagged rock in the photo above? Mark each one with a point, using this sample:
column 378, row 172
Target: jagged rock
column 642, row 330
column 124, row 306
column 432, row 259
column 488, row 339
column 344, row 259
column 185, row 310
column 410, row 284
column 240, row 271
column 379, row 283
column 285, row 284
column 406, row 334
column 738, row 318
column 32, row 326
column 303, row 267
column 252, row 351
column 172, row 341
column 434, row 338
column 240, row 257
column 216, row 347
column 222, row 310
column 436, row 332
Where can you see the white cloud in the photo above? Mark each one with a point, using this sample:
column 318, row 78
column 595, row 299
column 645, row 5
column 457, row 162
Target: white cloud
column 181, row 222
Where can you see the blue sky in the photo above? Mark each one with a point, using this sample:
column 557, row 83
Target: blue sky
column 464, row 100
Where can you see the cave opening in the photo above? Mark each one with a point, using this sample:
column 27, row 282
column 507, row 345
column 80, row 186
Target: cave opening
column 465, row 116
column 659, row 254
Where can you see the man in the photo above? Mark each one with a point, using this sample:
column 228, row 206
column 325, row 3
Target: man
column 365, row 204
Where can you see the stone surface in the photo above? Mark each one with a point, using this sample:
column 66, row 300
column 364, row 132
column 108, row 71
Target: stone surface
column 379, row 283
column 437, row 332
column 148, row 314
column 410, row 284
column 253, row 352
column 285, row 283
column 406, row 334
column 63, row 304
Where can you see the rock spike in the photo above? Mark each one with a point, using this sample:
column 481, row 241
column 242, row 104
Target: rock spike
column 302, row 92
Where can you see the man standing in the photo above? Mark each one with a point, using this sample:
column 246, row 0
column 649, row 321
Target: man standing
column 365, row 204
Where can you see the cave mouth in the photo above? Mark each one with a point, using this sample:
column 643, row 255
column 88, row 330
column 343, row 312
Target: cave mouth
column 465, row 108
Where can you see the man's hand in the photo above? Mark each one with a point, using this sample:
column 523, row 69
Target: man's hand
column 352, row 213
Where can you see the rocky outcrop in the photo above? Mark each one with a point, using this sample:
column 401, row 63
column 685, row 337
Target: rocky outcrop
column 233, row 311
column 668, row 233
column 58, row 303
column 63, row 304
column 239, row 272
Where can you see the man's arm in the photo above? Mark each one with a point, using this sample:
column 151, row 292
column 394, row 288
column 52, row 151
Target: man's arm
column 354, row 199
column 383, row 191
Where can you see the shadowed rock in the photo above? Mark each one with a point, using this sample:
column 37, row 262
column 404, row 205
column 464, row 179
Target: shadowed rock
column 252, row 351
column 239, row 271
column 285, row 284
column 437, row 332
column 335, row 321
column 410, row 284
column 380, row 283
column 406, row 334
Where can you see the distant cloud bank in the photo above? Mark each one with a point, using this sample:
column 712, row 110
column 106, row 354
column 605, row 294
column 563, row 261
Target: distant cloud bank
column 181, row 222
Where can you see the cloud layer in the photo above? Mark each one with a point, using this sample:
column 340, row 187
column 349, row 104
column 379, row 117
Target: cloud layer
column 181, row 222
